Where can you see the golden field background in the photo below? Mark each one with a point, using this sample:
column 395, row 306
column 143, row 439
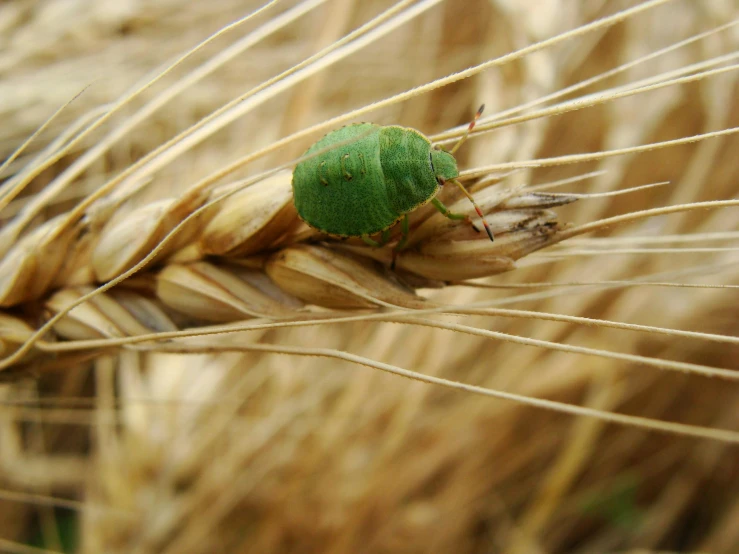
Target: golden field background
column 137, row 451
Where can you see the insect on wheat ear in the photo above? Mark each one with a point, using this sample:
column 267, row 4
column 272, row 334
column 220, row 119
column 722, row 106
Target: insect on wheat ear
column 362, row 179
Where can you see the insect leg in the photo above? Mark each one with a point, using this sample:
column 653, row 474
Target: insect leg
column 371, row 242
column 404, row 234
column 403, row 242
column 382, row 242
column 385, row 236
column 452, row 215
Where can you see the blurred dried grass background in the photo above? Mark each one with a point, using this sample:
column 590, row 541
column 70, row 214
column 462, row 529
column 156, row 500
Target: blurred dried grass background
column 266, row 453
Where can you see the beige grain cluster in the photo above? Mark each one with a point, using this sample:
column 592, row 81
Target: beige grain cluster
column 243, row 253
column 189, row 368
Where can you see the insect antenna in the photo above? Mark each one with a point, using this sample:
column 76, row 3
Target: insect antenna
column 477, row 208
column 469, row 129
column 460, row 185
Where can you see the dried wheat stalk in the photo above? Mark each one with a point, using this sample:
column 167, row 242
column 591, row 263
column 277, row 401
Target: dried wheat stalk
column 317, row 454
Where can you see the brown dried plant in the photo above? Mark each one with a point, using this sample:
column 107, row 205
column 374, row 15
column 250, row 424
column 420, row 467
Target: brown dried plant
column 190, row 368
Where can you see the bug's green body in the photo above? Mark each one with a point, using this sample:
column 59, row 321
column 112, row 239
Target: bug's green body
column 364, row 186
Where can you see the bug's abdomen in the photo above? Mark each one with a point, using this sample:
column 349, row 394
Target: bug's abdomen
column 341, row 191
column 405, row 156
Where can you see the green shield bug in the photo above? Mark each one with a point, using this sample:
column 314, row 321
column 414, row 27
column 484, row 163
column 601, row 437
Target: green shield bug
column 373, row 178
